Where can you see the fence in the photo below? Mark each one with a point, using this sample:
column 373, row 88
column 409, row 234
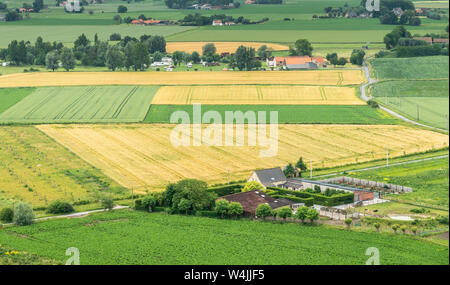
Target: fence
column 367, row 183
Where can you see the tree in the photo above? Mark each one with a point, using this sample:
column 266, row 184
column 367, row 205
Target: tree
column 312, row 215
column 60, row 207
column 244, row 58
column 81, row 41
column 114, row 58
column 6, row 215
column 184, row 205
column 122, row 9
column 377, row 226
column 357, row 57
column 301, row 47
column 67, row 59
column 23, row 214
column 263, row 211
column 263, row 52
column 209, row 50
column 332, row 58
column 289, row 170
column 284, row 213
column 395, row 228
column 149, row 202
column 38, row 5
column 221, row 208
column 156, row 43
column 115, row 37
column 342, row 61
column 51, row 60
column 107, row 202
column 235, row 209
column 301, row 165
column 117, row 19
column 414, row 230
column 348, row 222
column 194, row 191
column 389, row 18
column 195, row 57
column 252, row 185
column 178, row 57
column 302, row 213
column 17, row 52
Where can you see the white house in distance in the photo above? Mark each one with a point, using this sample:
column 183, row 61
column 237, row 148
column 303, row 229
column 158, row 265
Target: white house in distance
column 217, row 23
column 73, row 6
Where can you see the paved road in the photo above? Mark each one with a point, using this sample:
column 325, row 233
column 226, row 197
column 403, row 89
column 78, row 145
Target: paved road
column 366, row 98
column 383, row 166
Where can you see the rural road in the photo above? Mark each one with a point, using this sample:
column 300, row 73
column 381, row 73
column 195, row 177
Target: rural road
column 366, row 98
column 75, row 215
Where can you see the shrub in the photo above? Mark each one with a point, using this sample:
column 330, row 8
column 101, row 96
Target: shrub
column 122, row 9
column 377, row 226
column 403, row 228
column 184, row 205
column 348, row 222
column 235, row 209
column 372, row 104
column 60, row 207
column 284, row 212
column 23, row 214
column 115, row 37
column 395, row 227
column 148, row 203
column 414, row 230
column 263, row 210
column 302, row 213
column 221, row 208
column 442, row 220
column 226, row 189
column 312, row 215
column 252, row 185
column 6, row 215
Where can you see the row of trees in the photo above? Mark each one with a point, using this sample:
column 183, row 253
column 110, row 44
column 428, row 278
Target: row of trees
column 303, row 213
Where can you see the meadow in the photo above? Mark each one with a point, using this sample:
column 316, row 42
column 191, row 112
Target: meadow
column 10, row 96
column 427, row 67
column 306, row 77
column 429, row 180
column 411, row 88
column 82, row 104
column 256, row 95
column 221, row 47
column 173, row 239
column 287, row 114
column 136, row 158
column 36, row 169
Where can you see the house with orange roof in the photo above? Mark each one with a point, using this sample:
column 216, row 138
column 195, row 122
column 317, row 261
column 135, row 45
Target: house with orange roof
column 292, row 62
column 217, row 23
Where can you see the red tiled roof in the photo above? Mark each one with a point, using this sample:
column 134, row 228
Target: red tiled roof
column 249, row 200
column 442, row 41
column 319, row 60
column 427, row 39
column 292, row 59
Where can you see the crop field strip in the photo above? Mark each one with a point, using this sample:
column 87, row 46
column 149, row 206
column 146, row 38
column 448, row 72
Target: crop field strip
column 287, row 114
column 136, row 158
column 256, row 95
column 82, row 104
column 11, row 96
column 175, row 239
column 306, row 77
column 34, row 168
column 221, row 47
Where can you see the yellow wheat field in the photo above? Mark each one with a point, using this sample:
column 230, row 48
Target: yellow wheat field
column 257, row 95
column 142, row 156
column 220, row 46
column 307, row 77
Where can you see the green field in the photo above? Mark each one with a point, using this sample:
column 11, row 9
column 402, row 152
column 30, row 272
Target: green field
column 429, row 180
column 287, row 114
column 427, row 67
column 10, row 96
column 82, row 104
column 410, row 88
column 173, row 239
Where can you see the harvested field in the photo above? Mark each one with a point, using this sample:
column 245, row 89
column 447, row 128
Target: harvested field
column 142, row 156
column 220, row 46
column 256, row 95
column 82, row 104
column 306, row 77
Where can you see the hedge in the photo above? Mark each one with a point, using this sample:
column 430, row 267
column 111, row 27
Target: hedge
column 226, row 189
column 319, row 199
column 307, row 201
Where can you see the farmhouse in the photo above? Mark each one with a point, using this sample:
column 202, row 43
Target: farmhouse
column 294, row 62
column 2, row 18
column 251, row 199
column 72, row 6
column 274, row 177
column 398, row 11
column 217, row 23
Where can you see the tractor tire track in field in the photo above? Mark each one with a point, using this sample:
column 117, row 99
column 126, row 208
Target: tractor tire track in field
column 366, row 98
